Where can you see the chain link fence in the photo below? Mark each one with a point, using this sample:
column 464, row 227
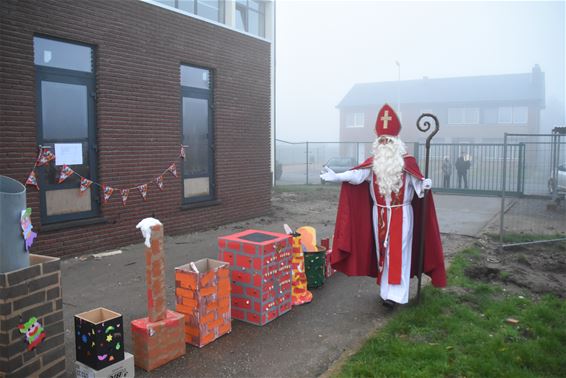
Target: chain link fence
column 538, row 212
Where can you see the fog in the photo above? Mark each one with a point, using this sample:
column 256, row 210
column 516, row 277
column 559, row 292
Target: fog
column 323, row 48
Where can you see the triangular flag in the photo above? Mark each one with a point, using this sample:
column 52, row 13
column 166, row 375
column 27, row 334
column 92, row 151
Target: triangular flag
column 143, row 191
column 85, row 184
column 45, row 156
column 159, row 182
column 173, row 169
column 182, row 154
column 124, row 193
column 107, row 192
column 65, row 172
column 32, row 179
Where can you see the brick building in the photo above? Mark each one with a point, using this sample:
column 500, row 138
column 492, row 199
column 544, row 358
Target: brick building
column 115, row 88
column 478, row 109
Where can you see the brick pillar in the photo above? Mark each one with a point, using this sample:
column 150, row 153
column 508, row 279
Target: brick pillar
column 155, row 275
column 158, row 338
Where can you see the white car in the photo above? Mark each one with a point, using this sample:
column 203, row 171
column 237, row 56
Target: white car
column 560, row 184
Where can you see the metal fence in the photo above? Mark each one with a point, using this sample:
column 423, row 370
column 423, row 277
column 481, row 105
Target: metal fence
column 538, row 214
column 301, row 163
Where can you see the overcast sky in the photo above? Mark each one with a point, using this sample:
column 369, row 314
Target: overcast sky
column 324, row 47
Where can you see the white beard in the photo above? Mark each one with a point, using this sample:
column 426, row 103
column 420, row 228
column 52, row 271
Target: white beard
column 388, row 166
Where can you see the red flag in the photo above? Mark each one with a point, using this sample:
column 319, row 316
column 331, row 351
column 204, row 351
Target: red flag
column 173, row 169
column 45, row 156
column 107, row 192
column 65, row 172
column 124, row 193
column 159, row 182
column 85, row 184
column 32, row 179
column 182, row 154
column 143, row 191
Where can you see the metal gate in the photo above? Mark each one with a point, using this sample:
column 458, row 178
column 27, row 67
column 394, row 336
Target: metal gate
column 538, row 214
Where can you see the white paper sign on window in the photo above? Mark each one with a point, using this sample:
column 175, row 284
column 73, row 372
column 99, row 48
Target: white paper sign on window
column 68, row 153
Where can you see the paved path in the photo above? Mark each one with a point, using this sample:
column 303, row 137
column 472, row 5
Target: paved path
column 304, row 342
column 463, row 215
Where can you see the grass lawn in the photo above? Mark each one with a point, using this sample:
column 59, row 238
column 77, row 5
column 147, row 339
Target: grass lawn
column 462, row 331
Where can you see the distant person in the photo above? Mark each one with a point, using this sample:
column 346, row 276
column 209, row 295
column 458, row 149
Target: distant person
column 446, row 172
column 462, row 166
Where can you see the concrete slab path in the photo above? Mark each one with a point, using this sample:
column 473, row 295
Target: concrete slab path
column 302, row 343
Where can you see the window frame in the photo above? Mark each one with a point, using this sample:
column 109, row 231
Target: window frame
column 67, row 76
column 203, row 94
column 464, row 112
column 221, row 12
column 246, row 10
column 355, row 124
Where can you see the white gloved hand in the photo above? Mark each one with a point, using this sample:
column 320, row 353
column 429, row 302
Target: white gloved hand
column 329, row 175
column 427, row 184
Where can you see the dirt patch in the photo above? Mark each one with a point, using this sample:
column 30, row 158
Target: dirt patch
column 534, row 269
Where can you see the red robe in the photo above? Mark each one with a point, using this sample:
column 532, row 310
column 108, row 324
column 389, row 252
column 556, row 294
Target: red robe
column 353, row 250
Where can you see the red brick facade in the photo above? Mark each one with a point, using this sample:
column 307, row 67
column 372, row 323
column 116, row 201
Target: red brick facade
column 138, row 50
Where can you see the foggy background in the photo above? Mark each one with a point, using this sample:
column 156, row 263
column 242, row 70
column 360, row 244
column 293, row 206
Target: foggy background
column 325, row 47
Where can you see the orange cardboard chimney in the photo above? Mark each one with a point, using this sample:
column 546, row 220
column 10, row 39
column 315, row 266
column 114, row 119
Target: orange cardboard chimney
column 203, row 296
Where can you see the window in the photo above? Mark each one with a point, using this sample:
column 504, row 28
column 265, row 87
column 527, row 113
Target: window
column 505, row 115
column 354, row 120
column 198, row 168
column 209, row 9
column 65, row 89
column 515, row 114
column 250, row 16
column 463, row 116
column 520, row 114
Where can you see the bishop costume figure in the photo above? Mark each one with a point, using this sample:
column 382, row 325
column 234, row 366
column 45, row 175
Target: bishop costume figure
column 377, row 230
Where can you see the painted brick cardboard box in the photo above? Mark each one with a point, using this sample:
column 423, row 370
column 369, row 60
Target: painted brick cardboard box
column 99, row 338
column 204, row 299
column 32, row 292
column 260, row 264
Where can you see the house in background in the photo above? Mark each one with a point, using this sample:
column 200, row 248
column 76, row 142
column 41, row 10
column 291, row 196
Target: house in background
column 119, row 86
column 477, row 109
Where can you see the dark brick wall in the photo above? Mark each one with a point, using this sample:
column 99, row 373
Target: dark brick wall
column 139, row 48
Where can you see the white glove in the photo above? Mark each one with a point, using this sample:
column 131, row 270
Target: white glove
column 427, row 184
column 329, row 175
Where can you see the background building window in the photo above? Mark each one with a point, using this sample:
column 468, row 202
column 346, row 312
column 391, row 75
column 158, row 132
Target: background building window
column 520, row 114
column 198, row 167
column 209, row 9
column 505, row 115
column 354, row 120
column 65, row 89
column 513, row 114
column 250, row 16
column 463, row 116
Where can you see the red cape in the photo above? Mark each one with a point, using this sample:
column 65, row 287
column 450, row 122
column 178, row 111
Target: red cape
column 353, row 249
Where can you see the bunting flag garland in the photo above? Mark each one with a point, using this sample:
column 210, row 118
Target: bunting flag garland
column 65, row 172
column 124, row 193
column 159, row 182
column 173, row 169
column 85, row 184
column 32, row 179
column 45, row 156
column 107, row 192
column 143, row 191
